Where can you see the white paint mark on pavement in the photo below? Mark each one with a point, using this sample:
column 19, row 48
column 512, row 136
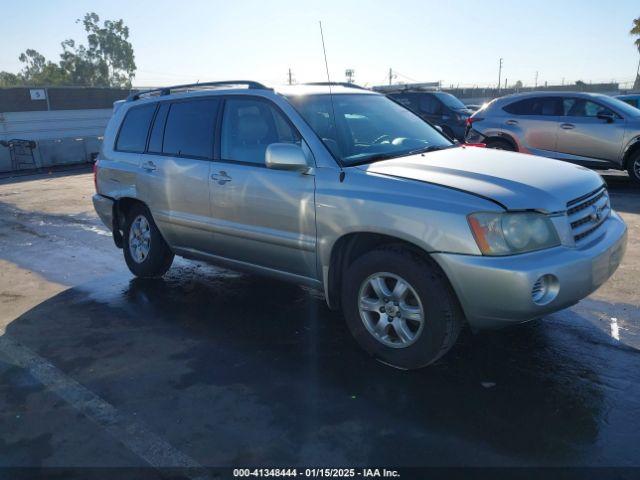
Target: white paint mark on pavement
column 614, row 328
column 132, row 433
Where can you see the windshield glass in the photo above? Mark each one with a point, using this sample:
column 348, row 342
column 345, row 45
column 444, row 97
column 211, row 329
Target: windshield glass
column 367, row 127
column 450, row 101
column 623, row 107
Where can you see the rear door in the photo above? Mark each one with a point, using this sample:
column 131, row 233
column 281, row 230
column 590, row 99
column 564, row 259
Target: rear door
column 176, row 168
column 535, row 122
column 583, row 134
column 262, row 216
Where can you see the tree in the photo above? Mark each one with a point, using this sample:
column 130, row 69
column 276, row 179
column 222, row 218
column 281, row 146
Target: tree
column 635, row 31
column 106, row 61
column 39, row 71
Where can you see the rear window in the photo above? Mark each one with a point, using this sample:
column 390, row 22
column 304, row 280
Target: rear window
column 190, row 127
column 546, row 106
column 134, row 129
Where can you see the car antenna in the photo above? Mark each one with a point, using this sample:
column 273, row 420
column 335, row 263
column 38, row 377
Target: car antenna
column 333, row 110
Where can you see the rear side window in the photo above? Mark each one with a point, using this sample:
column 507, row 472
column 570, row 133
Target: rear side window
column 134, row 129
column 157, row 131
column 430, row 104
column 546, row 106
column 190, row 127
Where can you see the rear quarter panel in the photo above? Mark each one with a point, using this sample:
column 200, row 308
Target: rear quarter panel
column 117, row 171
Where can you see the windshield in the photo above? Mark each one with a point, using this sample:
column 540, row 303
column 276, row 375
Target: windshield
column 367, row 127
column 623, row 107
column 450, row 101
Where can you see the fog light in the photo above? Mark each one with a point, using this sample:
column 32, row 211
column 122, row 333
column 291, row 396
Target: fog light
column 545, row 289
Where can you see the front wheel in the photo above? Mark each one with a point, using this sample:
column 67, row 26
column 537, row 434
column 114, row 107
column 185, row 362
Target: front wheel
column 400, row 307
column 145, row 251
column 633, row 167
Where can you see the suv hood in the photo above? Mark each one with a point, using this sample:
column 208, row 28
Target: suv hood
column 515, row 180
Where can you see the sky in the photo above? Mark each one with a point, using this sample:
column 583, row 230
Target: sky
column 455, row 42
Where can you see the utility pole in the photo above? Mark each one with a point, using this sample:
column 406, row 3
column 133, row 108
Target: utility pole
column 499, row 74
column 536, row 82
column 390, row 76
column 290, row 77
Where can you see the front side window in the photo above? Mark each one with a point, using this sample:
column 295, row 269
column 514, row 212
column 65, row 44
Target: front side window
column 580, row 107
column 366, row 127
column 249, row 126
column 189, row 128
column 545, row 106
column 134, row 129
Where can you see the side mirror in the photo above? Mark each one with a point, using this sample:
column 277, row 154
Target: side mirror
column 608, row 117
column 286, row 156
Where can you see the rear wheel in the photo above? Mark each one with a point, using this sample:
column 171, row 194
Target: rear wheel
column 145, row 251
column 498, row 144
column 633, row 167
column 400, row 308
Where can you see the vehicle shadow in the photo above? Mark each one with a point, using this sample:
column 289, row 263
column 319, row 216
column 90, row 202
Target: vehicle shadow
column 236, row 370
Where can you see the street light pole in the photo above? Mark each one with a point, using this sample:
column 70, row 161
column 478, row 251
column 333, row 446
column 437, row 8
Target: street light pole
column 499, row 74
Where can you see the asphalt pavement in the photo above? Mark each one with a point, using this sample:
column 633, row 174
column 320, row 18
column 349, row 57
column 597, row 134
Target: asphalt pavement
column 209, row 367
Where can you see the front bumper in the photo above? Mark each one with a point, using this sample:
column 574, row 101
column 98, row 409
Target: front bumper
column 496, row 291
column 104, row 208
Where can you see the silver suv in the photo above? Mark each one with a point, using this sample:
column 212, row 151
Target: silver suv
column 346, row 191
column 589, row 129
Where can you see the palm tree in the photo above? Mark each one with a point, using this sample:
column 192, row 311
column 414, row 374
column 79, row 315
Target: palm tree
column 635, row 31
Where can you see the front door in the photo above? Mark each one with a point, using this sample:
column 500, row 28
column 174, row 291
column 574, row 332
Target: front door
column 261, row 216
column 583, row 134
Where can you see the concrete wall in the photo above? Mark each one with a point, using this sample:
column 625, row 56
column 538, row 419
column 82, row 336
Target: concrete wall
column 62, row 136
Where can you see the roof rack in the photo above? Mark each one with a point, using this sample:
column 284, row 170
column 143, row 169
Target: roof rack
column 167, row 90
column 336, row 84
column 407, row 87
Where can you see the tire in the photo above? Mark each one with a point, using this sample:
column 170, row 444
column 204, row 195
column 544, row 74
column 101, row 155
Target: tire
column 498, row 144
column 442, row 317
column 151, row 262
column 633, row 167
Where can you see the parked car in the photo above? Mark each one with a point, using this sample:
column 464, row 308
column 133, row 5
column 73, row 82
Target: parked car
column 439, row 108
column 632, row 99
column 408, row 233
column 589, row 129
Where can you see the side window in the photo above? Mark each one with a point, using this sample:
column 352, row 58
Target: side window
column 157, row 130
column 430, row 105
column 580, row 107
column 407, row 100
column 190, row 127
column 545, row 106
column 249, row 127
column 134, row 129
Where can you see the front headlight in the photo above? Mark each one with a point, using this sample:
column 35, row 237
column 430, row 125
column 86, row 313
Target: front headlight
column 509, row 233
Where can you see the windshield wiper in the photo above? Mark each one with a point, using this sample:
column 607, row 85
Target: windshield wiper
column 390, row 155
column 430, row 148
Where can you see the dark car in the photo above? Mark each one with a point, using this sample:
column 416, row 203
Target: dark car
column 439, row 108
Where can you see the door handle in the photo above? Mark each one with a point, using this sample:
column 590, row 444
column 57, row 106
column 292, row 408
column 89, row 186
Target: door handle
column 150, row 166
column 511, row 122
column 221, row 177
column 567, row 126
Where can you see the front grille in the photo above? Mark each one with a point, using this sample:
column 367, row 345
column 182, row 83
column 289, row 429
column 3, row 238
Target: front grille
column 588, row 213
